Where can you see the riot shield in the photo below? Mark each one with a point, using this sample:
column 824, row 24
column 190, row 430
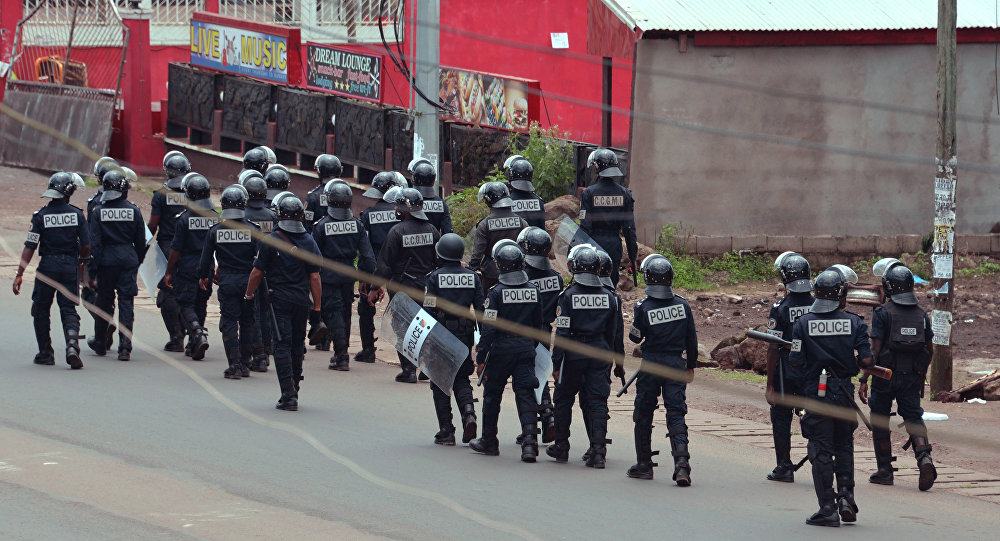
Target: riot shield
column 417, row 336
column 543, row 369
column 567, row 236
column 153, row 267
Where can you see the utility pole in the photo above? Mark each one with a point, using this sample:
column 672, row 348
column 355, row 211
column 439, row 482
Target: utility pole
column 945, row 179
column 426, row 68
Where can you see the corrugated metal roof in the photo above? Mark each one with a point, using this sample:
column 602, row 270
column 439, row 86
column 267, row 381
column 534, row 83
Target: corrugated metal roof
column 792, row 15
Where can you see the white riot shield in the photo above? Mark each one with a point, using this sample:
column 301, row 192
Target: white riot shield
column 153, row 267
column 567, row 236
column 543, row 369
column 417, row 336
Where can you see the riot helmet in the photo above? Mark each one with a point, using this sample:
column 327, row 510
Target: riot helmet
column 339, row 198
column 829, row 289
column 571, row 257
column 256, row 159
column 586, row 266
column 794, row 271
column 115, row 185
column 519, row 174
column 899, row 285
column 277, row 179
column 328, row 166
column 424, row 177
column 605, row 163
column 510, row 262
column 175, row 167
column 171, row 154
column 102, row 166
column 198, row 190
column 450, row 248
column 277, row 199
column 659, row 277
column 647, row 259
column 409, row 202
column 536, row 244
column 290, row 212
column 381, row 184
column 415, row 162
column 130, row 175
column 607, row 266
column 847, row 273
column 882, row 266
column 256, row 188
column 271, row 157
column 496, row 195
column 511, row 159
column 61, row 186
column 401, row 181
column 234, row 202
column 247, row 174
column 500, row 244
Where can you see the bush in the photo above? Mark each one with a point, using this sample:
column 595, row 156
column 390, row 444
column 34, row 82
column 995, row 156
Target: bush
column 466, row 210
column 688, row 272
column 743, row 267
column 552, row 158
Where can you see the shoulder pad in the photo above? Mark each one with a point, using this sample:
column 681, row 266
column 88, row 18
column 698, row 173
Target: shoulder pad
column 676, row 296
column 776, row 305
column 76, row 207
column 638, row 304
column 36, row 212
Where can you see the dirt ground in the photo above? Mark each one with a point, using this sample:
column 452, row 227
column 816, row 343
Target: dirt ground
column 976, row 337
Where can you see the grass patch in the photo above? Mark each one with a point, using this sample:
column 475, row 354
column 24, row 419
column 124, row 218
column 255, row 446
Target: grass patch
column 980, row 269
column 739, row 375
column 466, row 210
column 694, row 273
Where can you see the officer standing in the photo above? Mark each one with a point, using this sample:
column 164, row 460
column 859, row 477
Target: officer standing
column 527, row 204
column 328, row 167
column 585, row 313
column 782, row 380
column 606, row 210
column 190, row 234
column 377, row 219
column 901, row 339
column 436, row 209
column 118, row 245
column 295, row 286
column 502, row 355
column 501, row 224
column 341, row 238
column 59, row 232
column 231, row 244
column 255, row 159
column 824, row 344
column 408, row 256
column 167, row 204
column 663, row 324
column 260, row 214
column 455, row 283
column 278, row 180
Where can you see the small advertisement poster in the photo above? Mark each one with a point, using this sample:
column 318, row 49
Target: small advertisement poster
column 344, row 72
column 239, row 50
column 488, row 100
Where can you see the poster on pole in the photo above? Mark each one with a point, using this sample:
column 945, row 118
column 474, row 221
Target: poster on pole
column 343, row 71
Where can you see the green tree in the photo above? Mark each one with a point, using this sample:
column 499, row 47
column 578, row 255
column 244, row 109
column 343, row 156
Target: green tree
column 551, row 156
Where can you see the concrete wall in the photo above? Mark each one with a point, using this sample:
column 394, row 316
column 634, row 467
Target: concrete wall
column 739, row 180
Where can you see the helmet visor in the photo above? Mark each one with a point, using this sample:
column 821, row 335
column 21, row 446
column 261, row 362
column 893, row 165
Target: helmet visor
column 588, row 279
column 538, row 262
column 660, row 291
column 54, row 194
column 906, row 299
column 523, row 185
column 799, row 286
column 233, row 214
column 292, row 226
column 612, row 171
column 110, row 195
column 339, row 213
column 514, row 278
column 824, row 306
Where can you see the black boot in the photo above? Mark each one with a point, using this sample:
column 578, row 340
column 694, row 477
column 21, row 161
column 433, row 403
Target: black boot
column 596, row 456
column 73, row 350
column 682, row 468
column 784, row 471
column 259, row 363
column 125, row 349
column 175, row 330
column 97, row 346
column 598, row 441
column 488, row 444
column 884, row 459
column 845, row 499
column 366, row 355
column 559, row 450
column 468, row 422
column 445, row 436
column 922, row 452
column 548, row 420
column 406, row 376
column 643, row 469
column 341, row 363
column 828, row 515
column 235, row 370
column 198, row 342
column 317, row 330
column 529, row 443
column 324, row 346
column 289, row 400
column 46, row 355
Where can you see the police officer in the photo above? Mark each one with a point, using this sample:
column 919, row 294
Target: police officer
column 824, row 344
column 87, row 293
column 328, row 167
column 436, row 208
column 502, row 355
column 341, row 238
column 118, row 244
column 782, row 380
column 231, row 243
column 271, row 157
column 585, row 313
column 167, row 204
column 500, row 224
column 260, row 214
column 408, row 255
column 255, row 159
column 663, row 324
column 278, row 180
column 295, row 286
column 377, row 219
column 527, row 204
column 901, row 339
column 455, row 283
column 606, row 210
column 59, row 232
column 190, row 234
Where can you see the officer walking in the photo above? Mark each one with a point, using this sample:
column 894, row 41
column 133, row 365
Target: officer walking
column 59, row 232
column 663, row 324
column 341, row 238
column 190, row 234
column 455, row 283
column 232, row 245
column 408, row 255
column 436, row 209
column 377, row 219
column 502, row 355
column 585, row 313
column 89, row 294
column 824, row 344
column 606, row 210
column 167, row 204
column 295, row 286
column 901, row 338
column 260, row 214
column 118, row 245
column 328, row 167
column 782, row 380
column 501, row 224
column 527, row 204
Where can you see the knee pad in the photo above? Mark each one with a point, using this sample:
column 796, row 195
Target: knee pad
column 816, row 456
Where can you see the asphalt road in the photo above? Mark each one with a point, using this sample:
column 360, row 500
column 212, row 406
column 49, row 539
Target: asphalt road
column 157, row 450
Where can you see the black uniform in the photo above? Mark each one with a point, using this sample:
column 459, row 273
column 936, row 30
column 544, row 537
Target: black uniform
column 550, row 284
column 509, row 356
column 288, row 280
column 234, row 249
column 665, row 328
column 787, row 381
column 315, row 206
column 606, row 213
column 118, row 246
column 407, row 257
column 87, row 293
column 167, row 203
column 190, row 234
column 584, row 314
column 437, row 212
column 259, row 213
column 829, row 341
column 455, row 283
column 342, row 241
column 529, row 206
column 58, row 231
column 501, row 224
column 378, row 220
